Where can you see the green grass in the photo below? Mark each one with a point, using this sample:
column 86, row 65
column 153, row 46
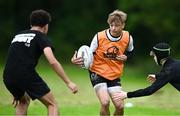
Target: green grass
column 164, row 102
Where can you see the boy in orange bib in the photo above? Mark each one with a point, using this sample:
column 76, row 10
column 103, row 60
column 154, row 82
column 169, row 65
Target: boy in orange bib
column 111, row 48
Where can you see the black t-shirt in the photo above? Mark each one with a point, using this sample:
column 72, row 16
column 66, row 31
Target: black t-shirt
column 170, row 73
column 24, row 52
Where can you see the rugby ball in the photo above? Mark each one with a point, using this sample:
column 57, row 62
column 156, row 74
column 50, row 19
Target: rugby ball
column 87, row 55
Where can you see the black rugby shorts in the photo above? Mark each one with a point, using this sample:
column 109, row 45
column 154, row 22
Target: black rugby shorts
column 32, row 84
column 96, row 79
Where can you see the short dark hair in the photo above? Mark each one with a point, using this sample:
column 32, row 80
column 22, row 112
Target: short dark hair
column 39, row 18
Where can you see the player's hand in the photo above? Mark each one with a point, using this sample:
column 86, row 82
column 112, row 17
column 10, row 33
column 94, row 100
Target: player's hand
column 151, row 78
column 119, row 96
column 72, row 87
column 122, row 58
column 15, row 102
column 78, row 61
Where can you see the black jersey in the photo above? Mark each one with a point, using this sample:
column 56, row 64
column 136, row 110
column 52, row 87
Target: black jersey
column 24, row 52
column 170, row 73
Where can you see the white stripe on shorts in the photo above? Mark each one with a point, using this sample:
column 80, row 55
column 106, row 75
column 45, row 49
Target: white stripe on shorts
column 114, row 89
column 100, row 86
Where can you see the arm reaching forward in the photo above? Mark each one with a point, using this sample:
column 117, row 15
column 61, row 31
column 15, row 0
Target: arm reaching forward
column 59, row 69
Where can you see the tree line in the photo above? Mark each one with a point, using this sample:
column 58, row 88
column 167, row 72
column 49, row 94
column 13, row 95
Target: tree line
column 74, row 23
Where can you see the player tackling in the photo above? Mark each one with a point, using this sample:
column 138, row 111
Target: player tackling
column 170, row 73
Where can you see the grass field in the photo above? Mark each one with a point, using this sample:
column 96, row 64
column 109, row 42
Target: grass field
column 165, row 102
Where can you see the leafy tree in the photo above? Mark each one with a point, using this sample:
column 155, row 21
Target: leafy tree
column 153, row 21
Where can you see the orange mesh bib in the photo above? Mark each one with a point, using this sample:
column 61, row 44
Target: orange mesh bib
column 104, row 62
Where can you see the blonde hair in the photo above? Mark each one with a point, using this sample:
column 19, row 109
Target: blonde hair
column 117, row 16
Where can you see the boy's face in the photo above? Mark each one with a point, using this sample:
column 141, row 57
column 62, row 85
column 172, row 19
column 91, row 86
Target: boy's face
column 154, row 57
column 116, row 28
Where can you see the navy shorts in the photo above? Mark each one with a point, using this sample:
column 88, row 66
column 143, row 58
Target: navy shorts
column 96, row 79
column 32, row 84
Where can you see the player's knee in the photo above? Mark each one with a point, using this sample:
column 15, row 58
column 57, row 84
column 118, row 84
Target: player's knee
column 51, row 104
column 105, row 103
column 119, row 106
column 52, row 107
column 24, row 101
column 48, row 100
